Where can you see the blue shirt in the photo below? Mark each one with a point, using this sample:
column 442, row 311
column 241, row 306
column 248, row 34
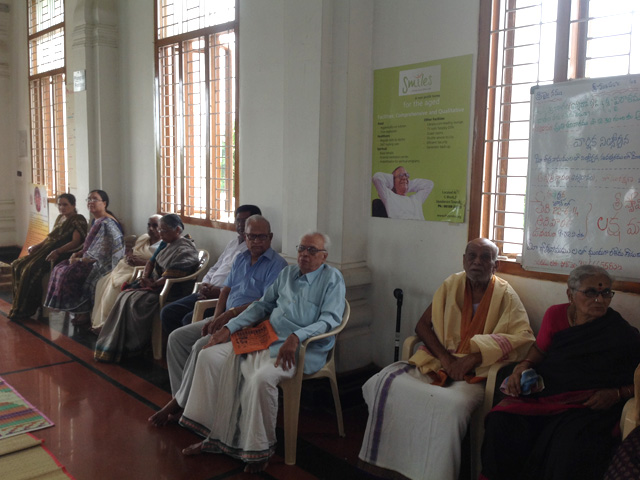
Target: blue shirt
column 248, row 282
column 305, row 305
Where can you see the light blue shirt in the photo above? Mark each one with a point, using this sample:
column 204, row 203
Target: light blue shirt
column 305, row 305
column 249, row 282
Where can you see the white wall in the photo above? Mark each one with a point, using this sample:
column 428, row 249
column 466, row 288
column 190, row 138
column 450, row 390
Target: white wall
column 414, row 256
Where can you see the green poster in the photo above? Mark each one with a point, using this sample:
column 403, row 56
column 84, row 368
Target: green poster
column 421, row 140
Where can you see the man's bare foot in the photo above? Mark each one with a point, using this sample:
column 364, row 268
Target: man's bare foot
column 169, row 413
column 195, row 449
column 256, row 467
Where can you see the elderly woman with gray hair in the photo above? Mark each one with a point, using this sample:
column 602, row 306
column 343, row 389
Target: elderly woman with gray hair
column 585, row 354
column 127, row 330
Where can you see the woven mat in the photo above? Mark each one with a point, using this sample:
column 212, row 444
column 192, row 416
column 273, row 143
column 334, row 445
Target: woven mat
column 17, row 415
column 23, row 457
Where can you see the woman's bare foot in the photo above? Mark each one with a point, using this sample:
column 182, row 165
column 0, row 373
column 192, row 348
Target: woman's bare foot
column 195, row 449
column 256, row 467
column 169, row 413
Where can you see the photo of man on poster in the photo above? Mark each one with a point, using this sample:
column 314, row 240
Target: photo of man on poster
column 401, row 196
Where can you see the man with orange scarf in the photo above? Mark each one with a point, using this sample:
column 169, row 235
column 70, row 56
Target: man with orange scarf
column 415, row 425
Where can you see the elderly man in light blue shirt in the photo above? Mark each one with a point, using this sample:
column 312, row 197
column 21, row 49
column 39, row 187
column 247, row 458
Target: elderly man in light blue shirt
column 234, row 398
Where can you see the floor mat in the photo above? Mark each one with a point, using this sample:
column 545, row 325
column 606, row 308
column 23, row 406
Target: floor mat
column 17, row 415
column 23, row 457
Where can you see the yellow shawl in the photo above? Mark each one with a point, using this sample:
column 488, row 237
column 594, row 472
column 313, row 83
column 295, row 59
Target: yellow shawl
column 506, row 335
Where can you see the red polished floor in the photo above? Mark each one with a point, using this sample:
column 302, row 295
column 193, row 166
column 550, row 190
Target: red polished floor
column 100, row 413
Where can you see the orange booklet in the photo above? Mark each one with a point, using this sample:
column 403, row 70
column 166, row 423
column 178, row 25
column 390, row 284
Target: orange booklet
column 253, row 339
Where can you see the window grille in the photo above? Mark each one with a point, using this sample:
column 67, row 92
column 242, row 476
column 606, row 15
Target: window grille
column 538, row 42
column 47, row 95
column 197, row 109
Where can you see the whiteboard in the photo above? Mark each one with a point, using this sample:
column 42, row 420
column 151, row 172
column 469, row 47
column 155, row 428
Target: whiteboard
column 583, row 200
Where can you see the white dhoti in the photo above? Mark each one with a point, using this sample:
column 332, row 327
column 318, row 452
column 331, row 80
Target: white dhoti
column 183, row 347
column 416, row 428
column 234, row 402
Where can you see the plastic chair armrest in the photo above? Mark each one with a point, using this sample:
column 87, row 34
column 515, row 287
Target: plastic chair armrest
column 409, row 346
column 200, row 307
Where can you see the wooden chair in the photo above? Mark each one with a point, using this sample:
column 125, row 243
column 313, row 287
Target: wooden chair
column 292, row 387
column 156, row 331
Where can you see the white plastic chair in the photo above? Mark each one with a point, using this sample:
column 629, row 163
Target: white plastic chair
column 156, row 330
column 201, row 305
column 292, row 387
column 476, row 427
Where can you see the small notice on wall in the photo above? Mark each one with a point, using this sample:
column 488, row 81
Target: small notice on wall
column 38, row 217
column 421, row 140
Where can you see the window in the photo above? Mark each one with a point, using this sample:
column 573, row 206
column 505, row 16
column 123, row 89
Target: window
column 197, row 99
column 47, row 95
column 526, row 43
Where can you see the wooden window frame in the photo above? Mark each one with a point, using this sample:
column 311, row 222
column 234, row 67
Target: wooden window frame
column 480, row 174
column 47, row 110
column 181, row 174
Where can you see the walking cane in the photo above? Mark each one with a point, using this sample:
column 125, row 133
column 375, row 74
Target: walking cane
column 398, row 294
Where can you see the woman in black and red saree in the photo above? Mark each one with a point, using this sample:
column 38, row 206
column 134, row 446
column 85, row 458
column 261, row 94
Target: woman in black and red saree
column 585, row 354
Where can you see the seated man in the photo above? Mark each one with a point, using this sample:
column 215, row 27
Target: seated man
column 393, row 189
column 252, row 272
column 179, row 313
column 419, row 412
column 234, row 398
column 108, row 287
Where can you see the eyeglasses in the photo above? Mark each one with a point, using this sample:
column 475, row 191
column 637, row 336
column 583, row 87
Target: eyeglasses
column 256, row 236
column 154, row 225
column 94, row 200
column 593, row 293
column 401, row 175
column 311, row 250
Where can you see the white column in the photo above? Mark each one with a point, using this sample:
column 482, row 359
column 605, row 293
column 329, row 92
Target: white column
column 327, row 83
column 94, row 116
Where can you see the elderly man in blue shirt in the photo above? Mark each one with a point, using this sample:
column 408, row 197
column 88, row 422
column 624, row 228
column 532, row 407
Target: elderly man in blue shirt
column 234, row 398
column 252, row 272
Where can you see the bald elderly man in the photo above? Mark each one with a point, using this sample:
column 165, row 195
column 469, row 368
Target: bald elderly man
column 419, row 411
column 402, row 197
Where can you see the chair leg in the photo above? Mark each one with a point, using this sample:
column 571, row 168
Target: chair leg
column 291, row 399
column 476, row 436
column 156, row 337
column 336, row 401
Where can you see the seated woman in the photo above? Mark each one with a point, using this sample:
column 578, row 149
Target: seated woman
column 127, row 329
column 109, row 286
column 586, row 354
column 68, row 232
column 73, row 282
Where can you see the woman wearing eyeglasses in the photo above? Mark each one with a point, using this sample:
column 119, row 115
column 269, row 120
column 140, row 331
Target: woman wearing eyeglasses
column 73, row 282
column 586, row 354
column 108, row 287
